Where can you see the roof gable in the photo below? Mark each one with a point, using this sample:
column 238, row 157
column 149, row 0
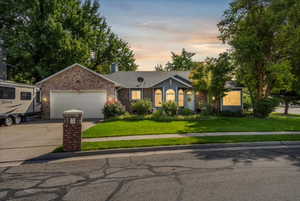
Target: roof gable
column 176, row 79
column 81, row 66
column 129, row 79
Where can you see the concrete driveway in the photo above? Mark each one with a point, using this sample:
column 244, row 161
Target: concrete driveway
column 29, row 140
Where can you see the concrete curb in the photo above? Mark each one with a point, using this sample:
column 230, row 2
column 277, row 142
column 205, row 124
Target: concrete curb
column 196, row 147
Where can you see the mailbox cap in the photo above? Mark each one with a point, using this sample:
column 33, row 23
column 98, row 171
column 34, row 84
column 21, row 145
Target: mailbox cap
column 75, row 112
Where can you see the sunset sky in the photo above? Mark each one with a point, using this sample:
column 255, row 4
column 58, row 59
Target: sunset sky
column 154, row 28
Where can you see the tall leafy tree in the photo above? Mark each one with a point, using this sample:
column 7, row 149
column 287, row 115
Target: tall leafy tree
column 41, row 37
column 289, row 40
column 211, row 76
column 251, row 27
column 181, row 62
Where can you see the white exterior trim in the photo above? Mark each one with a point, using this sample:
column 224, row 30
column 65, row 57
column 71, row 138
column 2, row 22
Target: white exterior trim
column 85, row 68
column 14, row 84
column 77, row 91
column 172, row 77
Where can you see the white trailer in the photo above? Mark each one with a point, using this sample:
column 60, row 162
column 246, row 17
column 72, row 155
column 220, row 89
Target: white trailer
column 18, row 101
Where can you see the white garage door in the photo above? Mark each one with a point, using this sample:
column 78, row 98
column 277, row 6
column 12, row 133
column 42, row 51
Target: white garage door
column 91, row 103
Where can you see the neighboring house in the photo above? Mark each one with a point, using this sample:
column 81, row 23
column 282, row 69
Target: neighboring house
column 233, row 101
column 77, row 87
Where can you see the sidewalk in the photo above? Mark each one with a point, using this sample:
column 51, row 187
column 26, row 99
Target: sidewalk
column 163, row 136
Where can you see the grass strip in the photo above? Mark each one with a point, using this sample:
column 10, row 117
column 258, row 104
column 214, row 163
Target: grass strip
column 87, row 146
column 218, row 124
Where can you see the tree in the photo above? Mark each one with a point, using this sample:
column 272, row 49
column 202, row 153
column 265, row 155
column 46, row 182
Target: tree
column 41, row 37
column 289, row 38
column 251, row 27
column 181, row 62
column 288, row 97
column 211, row 76
column 159, row 67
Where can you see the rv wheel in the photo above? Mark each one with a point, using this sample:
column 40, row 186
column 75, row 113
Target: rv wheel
column 18, row 119
column 8, row 121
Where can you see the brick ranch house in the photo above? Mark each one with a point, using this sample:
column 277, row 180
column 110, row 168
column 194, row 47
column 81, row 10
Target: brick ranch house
column 77, row 87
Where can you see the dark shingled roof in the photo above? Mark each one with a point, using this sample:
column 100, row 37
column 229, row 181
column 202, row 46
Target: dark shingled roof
column 129, row 79
column 232, row 85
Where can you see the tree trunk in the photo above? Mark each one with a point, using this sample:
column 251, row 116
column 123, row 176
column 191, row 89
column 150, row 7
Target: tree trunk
column 286, row 107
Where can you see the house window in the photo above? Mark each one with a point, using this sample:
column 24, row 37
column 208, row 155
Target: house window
column 232, row 98
column 170, row 95
column 158, row 98
column 136, row 94
column 25, row 95
column 7, row 93
column 181, row 98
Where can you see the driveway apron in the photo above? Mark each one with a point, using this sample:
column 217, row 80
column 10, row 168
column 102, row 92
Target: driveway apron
column 30, row 140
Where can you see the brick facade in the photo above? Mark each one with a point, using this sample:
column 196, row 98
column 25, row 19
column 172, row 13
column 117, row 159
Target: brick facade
column 75, row 78
column 200, row 100
column 124, row 97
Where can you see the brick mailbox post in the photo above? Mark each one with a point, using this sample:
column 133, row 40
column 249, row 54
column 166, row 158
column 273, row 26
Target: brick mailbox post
column 72, row 130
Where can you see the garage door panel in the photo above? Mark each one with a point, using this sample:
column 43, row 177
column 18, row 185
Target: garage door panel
column 91, row 103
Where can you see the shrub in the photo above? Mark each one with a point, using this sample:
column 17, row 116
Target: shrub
column 160, row 115
column 113, row 109
column 264, row 107
column 185, row 112
column 247, row 104
column 142, row 107
column 170, row 108
column 207, row 109
column 232, row 114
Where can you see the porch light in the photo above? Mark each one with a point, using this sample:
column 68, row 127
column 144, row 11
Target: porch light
column 45, row 99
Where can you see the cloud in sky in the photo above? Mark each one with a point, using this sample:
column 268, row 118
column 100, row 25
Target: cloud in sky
column 155, row 28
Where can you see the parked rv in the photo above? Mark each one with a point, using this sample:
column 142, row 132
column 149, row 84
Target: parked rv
column 18, row 101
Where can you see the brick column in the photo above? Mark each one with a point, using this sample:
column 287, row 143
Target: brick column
column 72, row 130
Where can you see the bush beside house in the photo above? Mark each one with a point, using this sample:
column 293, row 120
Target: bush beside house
column 113, row 109
column 185, row 112
column 142, row 107
column 170, row 108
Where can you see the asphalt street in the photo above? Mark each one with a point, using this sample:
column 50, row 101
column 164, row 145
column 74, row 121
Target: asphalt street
column 271, row 174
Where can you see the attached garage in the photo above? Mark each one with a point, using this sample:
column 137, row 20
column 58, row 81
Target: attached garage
column 76, row 87
column 90, row 102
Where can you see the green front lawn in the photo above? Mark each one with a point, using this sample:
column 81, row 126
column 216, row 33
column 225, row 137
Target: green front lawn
column 217, row 124
column 87, row 146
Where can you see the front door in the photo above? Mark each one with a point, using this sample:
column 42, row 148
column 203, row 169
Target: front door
column 190, row 100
